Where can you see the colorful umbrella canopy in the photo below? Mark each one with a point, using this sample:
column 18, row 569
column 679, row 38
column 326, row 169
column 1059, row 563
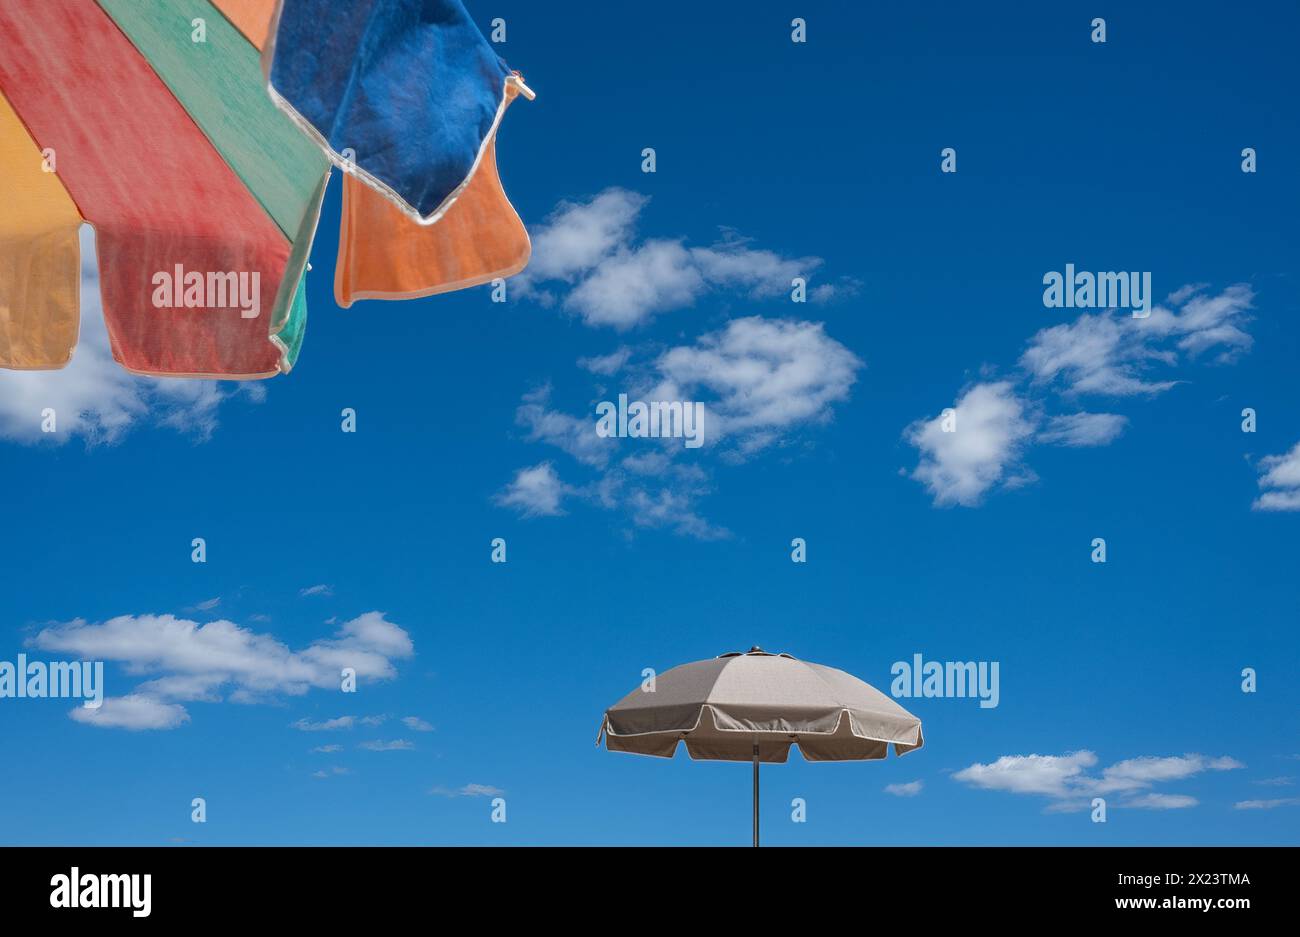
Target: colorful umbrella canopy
column 753, row 707
column 204, row 185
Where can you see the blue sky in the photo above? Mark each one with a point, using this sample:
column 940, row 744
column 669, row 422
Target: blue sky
column 476, row 420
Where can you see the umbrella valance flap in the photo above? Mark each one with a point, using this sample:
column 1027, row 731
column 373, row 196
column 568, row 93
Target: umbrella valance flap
column 407, row 94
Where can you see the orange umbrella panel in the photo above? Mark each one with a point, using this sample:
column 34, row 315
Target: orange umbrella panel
column 40, row 261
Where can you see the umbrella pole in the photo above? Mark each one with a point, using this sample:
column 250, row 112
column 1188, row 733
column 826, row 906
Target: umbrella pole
column 755, row 795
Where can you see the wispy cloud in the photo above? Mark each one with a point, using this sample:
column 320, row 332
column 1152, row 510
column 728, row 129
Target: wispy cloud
column 1068, row 781
column 337, row 723
column 469, row 790
column 1106, row 354
column 325, row 725
column 588, row 259
column 1049, row 775
column 910, row 789
column 321, row 589
column 395, row 745
column 327, row 749
column 609, row 364
column 762, row 382
column 579, row 235
column 1280, row 479
column 574, row 435
column 133, row 711
column 760, row 378
column 196, row 661
column 536, row 491
column 1078, row 430
column 1110, row 353
column 1161, row 802
column 1267, row 804
column 416, row 724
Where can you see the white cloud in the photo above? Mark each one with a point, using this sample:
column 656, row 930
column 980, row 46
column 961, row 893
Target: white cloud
column 1267, row 804
column 634, row 284
column 910, row 789
column 191, row 687
column 1077, row 430
column 195, row 661
column 1067, row 781
column 669, row 504
column 322, row 589
column 669, row 508
column 416, row 724
column 1050, row 775
column 368, row 632
column 991, row 428
column 764, row 376
column 1109, row 353
column 1281, row 479
column 614, row 280
column 208, row 605
column 579, row 235
column 469, row 790
column 608, row 364
column 1183, row 293
column 1205, row 323
column 335, row 724
column 328, row 749
column 1161, row 802
column 1099, row 354
column 846, row 288
column 134, row 712
column 760, row 381
column 572, row 434
column 325, row 725
column 396, row 745
column 656, row 493
column 535, row 492
column 762, row 274
column 94, row 398
column 1142, row 772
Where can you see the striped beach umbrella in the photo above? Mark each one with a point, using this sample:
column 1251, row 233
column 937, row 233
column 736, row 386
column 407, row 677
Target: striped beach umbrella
column 197, row 137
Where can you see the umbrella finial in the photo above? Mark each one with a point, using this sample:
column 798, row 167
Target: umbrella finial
column 756, row 650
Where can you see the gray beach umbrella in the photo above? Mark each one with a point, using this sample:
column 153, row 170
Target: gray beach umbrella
column 753, row 707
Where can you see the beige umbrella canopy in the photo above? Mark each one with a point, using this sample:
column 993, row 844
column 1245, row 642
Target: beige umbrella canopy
column 753, row 707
